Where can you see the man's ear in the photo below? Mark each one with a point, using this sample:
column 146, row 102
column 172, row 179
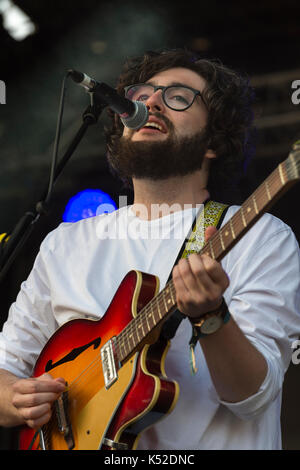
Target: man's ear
column 210, row 154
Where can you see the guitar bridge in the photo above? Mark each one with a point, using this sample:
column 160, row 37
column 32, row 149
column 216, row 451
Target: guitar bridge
column 108, row 363
column 63, row 421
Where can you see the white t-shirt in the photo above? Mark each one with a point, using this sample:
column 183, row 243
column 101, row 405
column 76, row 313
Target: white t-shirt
column 78, row 271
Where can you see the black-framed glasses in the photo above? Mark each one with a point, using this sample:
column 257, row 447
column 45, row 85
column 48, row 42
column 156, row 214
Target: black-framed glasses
column 176, row 97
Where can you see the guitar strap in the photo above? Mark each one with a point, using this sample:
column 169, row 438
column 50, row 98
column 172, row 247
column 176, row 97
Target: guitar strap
column 213, row 214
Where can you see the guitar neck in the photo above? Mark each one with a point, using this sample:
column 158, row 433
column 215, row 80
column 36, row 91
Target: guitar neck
column 164, row 304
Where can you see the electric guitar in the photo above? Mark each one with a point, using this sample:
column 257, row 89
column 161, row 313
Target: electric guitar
column 114, row 367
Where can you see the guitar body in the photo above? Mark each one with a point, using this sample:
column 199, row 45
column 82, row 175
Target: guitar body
column 92, row 415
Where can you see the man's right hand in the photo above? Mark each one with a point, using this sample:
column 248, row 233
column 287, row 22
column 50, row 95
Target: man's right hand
column 33, row 398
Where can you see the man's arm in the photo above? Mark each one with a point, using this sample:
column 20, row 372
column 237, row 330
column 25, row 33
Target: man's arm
column 27, row 401
column 236, row 367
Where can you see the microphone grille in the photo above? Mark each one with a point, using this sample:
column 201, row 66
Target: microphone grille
column 139, row 117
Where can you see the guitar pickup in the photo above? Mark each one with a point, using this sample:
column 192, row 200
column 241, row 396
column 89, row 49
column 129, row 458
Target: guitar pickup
column 109, row 363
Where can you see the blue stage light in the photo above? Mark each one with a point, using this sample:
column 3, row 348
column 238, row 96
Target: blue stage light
column 88, row 203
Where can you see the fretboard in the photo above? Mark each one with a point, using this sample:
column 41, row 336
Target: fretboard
column 163, row 304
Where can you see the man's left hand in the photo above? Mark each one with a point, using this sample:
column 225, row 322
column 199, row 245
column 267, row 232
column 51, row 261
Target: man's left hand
column 199, row 282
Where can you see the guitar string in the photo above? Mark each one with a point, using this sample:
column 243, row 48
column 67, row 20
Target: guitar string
column 84, row 375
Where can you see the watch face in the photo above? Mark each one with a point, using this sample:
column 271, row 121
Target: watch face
column 211, row 324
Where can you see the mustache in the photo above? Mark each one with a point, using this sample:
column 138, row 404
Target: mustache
column 161, row 117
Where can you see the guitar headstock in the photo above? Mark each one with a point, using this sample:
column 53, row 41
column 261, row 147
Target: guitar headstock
column 292, row 163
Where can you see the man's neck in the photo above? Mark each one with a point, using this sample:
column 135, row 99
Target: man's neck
column 153, row 199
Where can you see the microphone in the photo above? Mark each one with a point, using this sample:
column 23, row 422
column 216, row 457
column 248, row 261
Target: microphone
column 133, row 114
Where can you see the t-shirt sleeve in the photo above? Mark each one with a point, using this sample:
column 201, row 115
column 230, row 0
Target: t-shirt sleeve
column 30, row 321
column 264, row 299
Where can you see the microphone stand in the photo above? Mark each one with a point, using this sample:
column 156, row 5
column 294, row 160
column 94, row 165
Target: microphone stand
column 26, row 224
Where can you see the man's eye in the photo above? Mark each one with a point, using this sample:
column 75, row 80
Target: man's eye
column 179, row 98
column 141, row 98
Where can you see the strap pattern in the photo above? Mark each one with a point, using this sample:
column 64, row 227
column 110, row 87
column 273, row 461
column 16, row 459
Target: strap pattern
column 210, row 216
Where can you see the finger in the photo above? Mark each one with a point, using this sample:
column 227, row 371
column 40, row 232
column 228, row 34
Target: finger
column 31, row 400
column 180, row 289
column 209, row 232
column 47, row 376
column 36, row 412
column 36, row 417
column 203, row 281
column 186, row 274
column 215, row 272
column 25, row 386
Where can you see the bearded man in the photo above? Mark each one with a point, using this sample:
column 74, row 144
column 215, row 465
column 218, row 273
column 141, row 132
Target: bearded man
column 191, row 149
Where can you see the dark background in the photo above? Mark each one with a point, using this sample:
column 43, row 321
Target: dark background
column 261, row 39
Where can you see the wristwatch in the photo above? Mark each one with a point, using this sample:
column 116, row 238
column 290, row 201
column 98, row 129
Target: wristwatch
column 210, row 322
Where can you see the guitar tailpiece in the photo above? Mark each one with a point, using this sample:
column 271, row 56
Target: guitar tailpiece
column 115, row 445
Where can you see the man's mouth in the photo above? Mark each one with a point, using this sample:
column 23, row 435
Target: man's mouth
column 154, row 126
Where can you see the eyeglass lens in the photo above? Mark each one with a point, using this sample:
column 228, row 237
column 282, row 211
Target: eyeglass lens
column 175, row 97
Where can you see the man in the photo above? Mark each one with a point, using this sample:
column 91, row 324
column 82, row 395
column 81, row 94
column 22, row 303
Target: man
column 198, row 127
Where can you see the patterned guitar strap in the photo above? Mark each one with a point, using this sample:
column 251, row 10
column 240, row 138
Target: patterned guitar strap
column 213, row 214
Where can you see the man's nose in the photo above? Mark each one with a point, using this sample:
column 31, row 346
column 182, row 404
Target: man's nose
column 155, row 102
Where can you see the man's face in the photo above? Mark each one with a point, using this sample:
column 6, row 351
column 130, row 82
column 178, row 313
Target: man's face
column 178, row 148
column 183, row 123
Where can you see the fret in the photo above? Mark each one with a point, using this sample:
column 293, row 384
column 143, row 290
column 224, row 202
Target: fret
column 281, row 174
column 268, row 190
column 150, row 315
column 171, row 291
column 294, row 165
column 254, row 203
column 169, row 302
column 171, row 294
column 123, row 346
column 137, row 332
column 158, row 308
column 141, row 327
column 155, row 321
column 231, row 227
column 166, row 308
column 211, row 250
column 147, row 323
column 130, row 337
column 221, row 239
column 243, row 217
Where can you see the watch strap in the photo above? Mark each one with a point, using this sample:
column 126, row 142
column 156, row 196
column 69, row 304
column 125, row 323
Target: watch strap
column 197, row 333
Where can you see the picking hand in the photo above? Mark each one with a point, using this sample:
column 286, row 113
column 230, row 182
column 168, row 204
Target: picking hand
column 34, row 397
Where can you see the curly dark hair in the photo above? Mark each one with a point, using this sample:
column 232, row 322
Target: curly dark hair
column 228, row 97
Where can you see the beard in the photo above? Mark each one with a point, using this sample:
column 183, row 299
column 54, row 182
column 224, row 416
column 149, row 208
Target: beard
column 158, row 160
